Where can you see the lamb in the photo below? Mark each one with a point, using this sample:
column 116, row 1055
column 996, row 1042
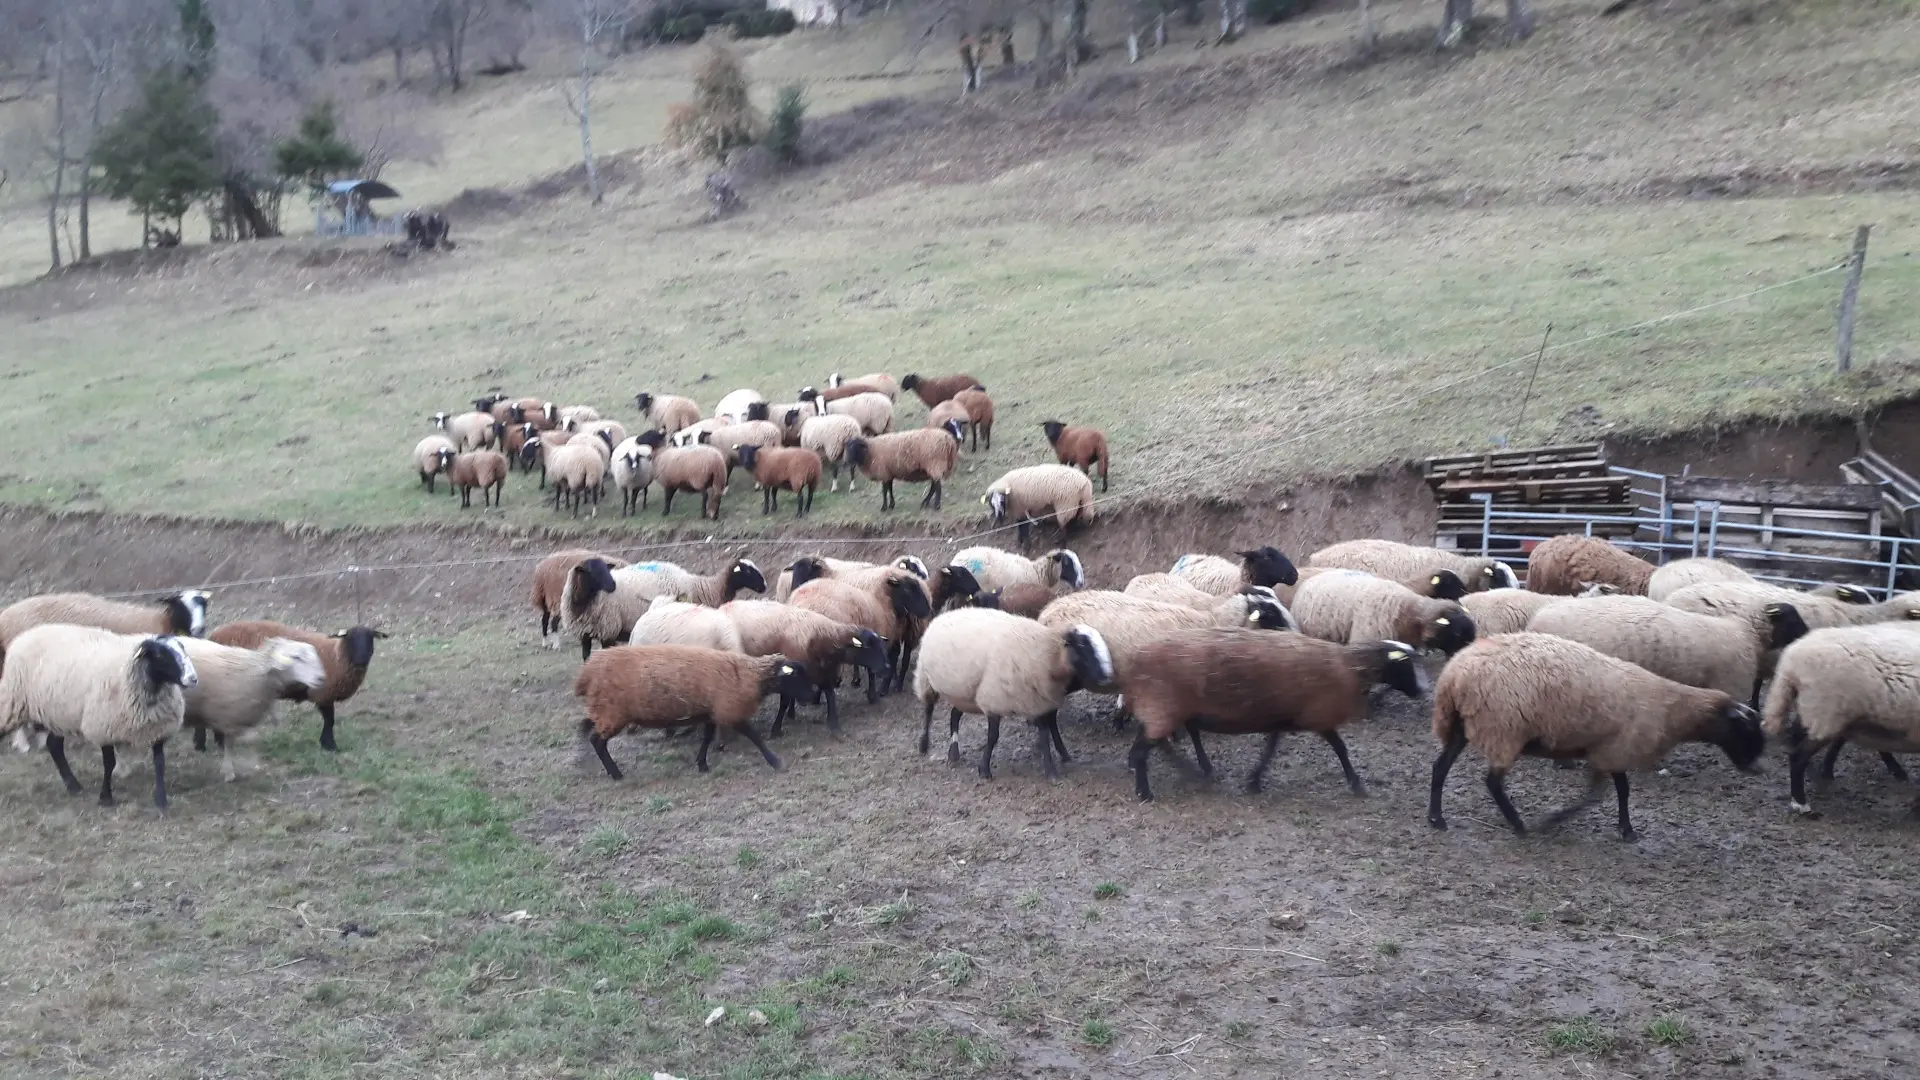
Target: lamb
column 667, row 412
column 1711, row 652
column 106, row 688
column 550, row 581
column 1036, row 491
column 911, row 456
column 887, row 607
column 979, row 408
column 599, row 603
column 1129, row 624
column 1544, row 696
column 346, row 654
column 1403, row 562
column 1236, row 683
column 819, row 644
column 993, row 568
column 181, row 613
column 729, row 439
column 1354, row 607
column 773, row 469
column 675, row 622
column 733, row 407
column 1505, row 611
column 1565, row 565
column 691, row 468
column 237, row 687
column 1265, row 565
column 937, row 388
column 878, row 382
column 1081, row 447
column 666, row 686
column 632, row 470
column 874, row 411
column 996, row 664
column 1846, row 684
column 483, row 469
column 828, row 436
column 470, row 431
column 427, row 460
column 1022, row 598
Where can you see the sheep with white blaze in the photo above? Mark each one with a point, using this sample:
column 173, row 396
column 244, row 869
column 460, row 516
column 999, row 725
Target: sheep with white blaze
column 998, row 665
column 428, row 459
column 107, row 689
column 237, row 688
column 632, row 471
column 1404, row 562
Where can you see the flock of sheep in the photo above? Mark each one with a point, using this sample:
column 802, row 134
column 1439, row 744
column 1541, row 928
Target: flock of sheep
column 1602, row 658
column 784, row 446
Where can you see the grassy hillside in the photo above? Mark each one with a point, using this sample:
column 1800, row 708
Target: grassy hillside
column 1271, row 263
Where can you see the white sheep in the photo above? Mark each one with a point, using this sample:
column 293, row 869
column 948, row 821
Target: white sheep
column 993, row 568
column 675, row 622
column 1846, row 684
column 236, row 688
column 632, row 470
column 1404, row 562
column 733, row 408
column 428, row 458
column 828, row 436
column 1713, row 652
column 1266, row 565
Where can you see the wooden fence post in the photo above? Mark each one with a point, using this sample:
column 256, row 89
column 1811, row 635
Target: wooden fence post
column 1850, row 296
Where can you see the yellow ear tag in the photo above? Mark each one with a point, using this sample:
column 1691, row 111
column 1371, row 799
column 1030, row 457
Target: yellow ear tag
column 1396, row 654
column 1253, row 616
column 1442, row 621
column 1773, row 609
column 855, row 643
column 786, row 669
column 1435, row 581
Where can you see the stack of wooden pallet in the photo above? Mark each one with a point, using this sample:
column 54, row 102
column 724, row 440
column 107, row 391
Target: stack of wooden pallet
column 1549, row 481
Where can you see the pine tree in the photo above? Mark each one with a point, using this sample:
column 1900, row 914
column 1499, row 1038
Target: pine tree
column 159, row 153
column 318, row 152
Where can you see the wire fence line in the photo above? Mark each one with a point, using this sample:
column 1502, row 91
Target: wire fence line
column 1132, row 494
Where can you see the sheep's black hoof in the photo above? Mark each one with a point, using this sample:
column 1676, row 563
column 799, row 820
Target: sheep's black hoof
column 1359, row 790
column 1437, row 822
column 75, row 787
column 108, row 800
column 1629, row 836
column 1145, row 796
column 953, row 754
column 327, row 743
column 986, row 773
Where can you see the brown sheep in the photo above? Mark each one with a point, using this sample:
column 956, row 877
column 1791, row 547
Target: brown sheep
column 890, row 608
column 668, row 412
column 1566, row 565
column 934, row 389
column 1023, row 598
column 550, row 580
column 483, row 469
column 774, row 468
column 691, row 468
column 818, row 643
column 1081, row 447
column 979, row 415
column 665, row 686
column 345, row 654
column 912, row 456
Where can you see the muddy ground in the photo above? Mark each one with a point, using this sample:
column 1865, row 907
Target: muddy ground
column 925, row 922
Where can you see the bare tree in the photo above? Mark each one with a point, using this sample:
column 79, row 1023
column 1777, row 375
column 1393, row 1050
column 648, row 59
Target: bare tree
column 1458, row 15
column 1369, row 30
column 590, row 22
column 447, row 29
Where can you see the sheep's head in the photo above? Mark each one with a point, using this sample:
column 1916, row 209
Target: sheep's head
column 1266, row 612
column 652, row 440
column 1054, row 430
column 589, row 579
column 1400, row 669
column 606, row 437
column 868, row 650
column 486, row 404
column 759, row 410
column 517, row 413
column 1071, row 570
column 857, row 452
column 1737, row 732
column 439, row 420
column 956, row 429
column 910, row 381
column 357, row 643
column 744, row 575
column 1445, row 585
column 748, row 454
column 187, row 613
column 298, row 663
column 908, row 596
column 833, row 381
column 644, row 402
column 790, row 679
column 790, row 417
column 1087, row 654
column 807, row 568
column 989, row 599
column 572, row 424
column 530, row 451
column 444, row 457
column 1852, row 594
column 499, row 430
column 1785, row 626
column 551, row 412
column 808, row 393
column 1591, row 589
column 1498, row 575
column 1268, row 566
column 1451, row 630
column 912, row 564
column 996, row 506
column 958, row 581
column 163, row 662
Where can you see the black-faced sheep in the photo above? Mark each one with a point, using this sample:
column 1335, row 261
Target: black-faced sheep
column 632, row 471
column 601, row 604
column 733, row 408
column 1712, row 652
column 1438, row 585
column 691, row 468
column 346, row 654
column 1236, row 683
column 105, row 688
column 828, row 436
column 1033, row 493
column 515, row 443
column 550, row 581
column 912, row 456
column 1084, row 448
column 1537, row 695
column 429, row 459
column 934, row 389
column 792, row 416
column 815, row 567
column 1129, row 624
column 483, row 469
column 889, row 607
column 995, row 664
column 781, row 468
column 577, row 471
column 668, row 686
column 1266, row 565
column 873, row 411
column 1354, row 607
column 1566, row 565
column 820, row 644
column 993, row 568
column 1847, row 684
column 667, row 412
column 237, row 688
column 1404, row 562
column 181, row 613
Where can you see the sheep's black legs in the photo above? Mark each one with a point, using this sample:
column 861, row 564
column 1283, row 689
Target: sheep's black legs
column 926, row 728
column 600, row 750
column 1137, row 761
column 953, row 737
column 1025, row 532
column 106, row 775
column 326, row 727
column 1797, row 773
column 57, row 750
column 886, row 495
column 833, row 713
column 1043, row 748
column 200, row 739
column 753, row 736
column 1354, row 783
column 993, row 739
column 586, row 647
column 160, row 775
column 1051, row 718
column 1259, row 774
column 1456, row 742
column 787, row 704
column 1893, row 766
column 1200, row 752
column 1620, row 791
column 1833, row 754
column 706, row 740
column 1497, row 787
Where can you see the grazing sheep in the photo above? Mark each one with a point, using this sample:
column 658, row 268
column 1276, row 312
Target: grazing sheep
column 1538, row 695
column 346, row 654
column 1081, row 447
column 675, row 622
column 667, row 412
column 949, row 410
column 979, row 408
column 733, row 407
column 691, row 468
column 471, row 431
column 1236, row 683
column 1565, row 565
column 483, row 469
column 427, row 458
column 816, row 642
column 1846, row 684
column 1036, row 491
column 181, row 613
column 729, row 439
column 237, row 687
column 995, row 664
column 1022, row 598
column 993, row 568
column 550, row 582
column 667, row 686
column 828, row 436
column 888, row 607
column 873, row 411
column 1712, row 652
column 105, row 688
column 912, row 456
column 1129, row 624
column 780, row 468
column 1265, row 565
column 632, row 470
column 935, row 389
column 1505, row 611
column 878, row 382
column 1352, row 607
column 1404, row 562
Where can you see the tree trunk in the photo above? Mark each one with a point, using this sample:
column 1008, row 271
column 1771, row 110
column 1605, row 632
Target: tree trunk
column 1453, row 22
column 399, row 66
column 1078, row 48
column 585, row 112
column 59, row 150
column 247, row 211
column 1519, row 20
column 1160, row 31
column 1369, row 33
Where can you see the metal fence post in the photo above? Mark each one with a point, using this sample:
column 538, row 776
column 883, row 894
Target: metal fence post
column 1486, row 520
column 1713, row 529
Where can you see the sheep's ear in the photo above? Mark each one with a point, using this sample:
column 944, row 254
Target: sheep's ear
column 1773, row 611
column 1913, row 613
